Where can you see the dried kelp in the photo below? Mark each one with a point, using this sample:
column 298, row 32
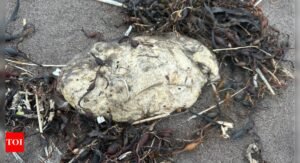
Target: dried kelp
column 237, row 31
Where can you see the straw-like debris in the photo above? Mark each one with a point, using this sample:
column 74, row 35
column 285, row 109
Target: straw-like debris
column 237, row 31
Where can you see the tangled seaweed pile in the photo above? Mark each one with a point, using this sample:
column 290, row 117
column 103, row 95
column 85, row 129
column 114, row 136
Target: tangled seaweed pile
column 237, row 31
column 34, row 99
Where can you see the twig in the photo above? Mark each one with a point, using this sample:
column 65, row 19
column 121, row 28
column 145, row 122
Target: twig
column 58, row 151
column 112, row 2
column 265, row 81
column 244, row 47
column 178, row 13
column 216, row 92
column 46, row 151
column 23, row 69
column 75, row 158
column 20, row 68
column 124, row 155
column 26, row 102
column 26, row 92
column 149, row 150
column 151, row 119
column 18, row 158
column 214, row 106
column 287, row 72
column 142, row 25
column 38, row 113
column 218, row 99
column 273, row 76
column 246, row 68
column 28, row 116
column 32, row 64
column 257, row 3
column 42, row 159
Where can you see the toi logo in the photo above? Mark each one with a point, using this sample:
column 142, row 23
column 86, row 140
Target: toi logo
column 14, row 142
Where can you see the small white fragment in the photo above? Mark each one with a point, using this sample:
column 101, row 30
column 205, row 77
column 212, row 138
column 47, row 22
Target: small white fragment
column 124, row 155
column 100, row 119
column 15, row 102
column 224, row 132
column 24, row 22
column 127, row 33
column 56, row 72
column 224, row 128
column 252, row 148
column 287, row 73
column 46, row 151
column 227, row 124
column 255, row 81
column 39, row 114
column 52, row 113
column 75, row 151
column 265, row 81
column 257, row 3
column 112, row 2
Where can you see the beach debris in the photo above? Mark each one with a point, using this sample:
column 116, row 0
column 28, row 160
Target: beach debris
column 190, row 146
column 100, row 119
column 237, row 31
column 224, row 128
column 98, row 36
column 27, row 98
column 147, row 81
column 265, row 81
column 40, row 121
column 128, row 31
column 17, row 157
column 214, row 106
column 253, row 154
column 32, row 64
column 257, row 3
column 113, row 2
column 56, row 72
column 127, row 73
column 124, row 155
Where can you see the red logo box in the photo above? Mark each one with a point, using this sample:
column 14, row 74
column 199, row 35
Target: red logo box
column 14, row 141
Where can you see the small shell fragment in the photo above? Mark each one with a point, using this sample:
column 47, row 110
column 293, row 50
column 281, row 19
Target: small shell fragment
column 56, row 72
column 100, row 120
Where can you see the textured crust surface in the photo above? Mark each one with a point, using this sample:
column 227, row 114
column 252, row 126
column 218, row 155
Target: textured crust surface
column 160, row 75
